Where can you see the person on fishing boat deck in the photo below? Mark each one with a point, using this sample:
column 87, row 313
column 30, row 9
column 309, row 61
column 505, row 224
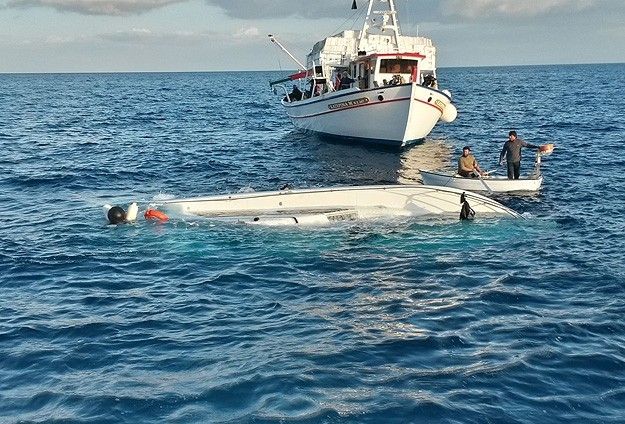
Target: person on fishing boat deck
column 294, row 95
column 429, row 80
column 512, row 152
column 467, row 165
column 346, row 81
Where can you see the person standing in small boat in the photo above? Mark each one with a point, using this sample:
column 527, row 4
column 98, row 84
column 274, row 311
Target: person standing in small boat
column 512, row 152
column 467, row 165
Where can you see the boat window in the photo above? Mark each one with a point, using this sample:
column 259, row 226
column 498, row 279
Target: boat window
column 396, row 66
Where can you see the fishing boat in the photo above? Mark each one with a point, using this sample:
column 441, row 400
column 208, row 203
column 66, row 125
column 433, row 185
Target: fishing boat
column 488, row 182
column 324, row 205
column 374, row 85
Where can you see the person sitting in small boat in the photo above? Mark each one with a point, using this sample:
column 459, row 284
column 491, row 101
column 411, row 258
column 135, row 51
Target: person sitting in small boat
column 467, row 165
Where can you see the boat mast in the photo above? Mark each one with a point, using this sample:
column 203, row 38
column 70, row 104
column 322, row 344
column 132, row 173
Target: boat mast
column 389, row 22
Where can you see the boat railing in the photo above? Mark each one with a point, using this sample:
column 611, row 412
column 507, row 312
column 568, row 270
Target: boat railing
column 283, row 87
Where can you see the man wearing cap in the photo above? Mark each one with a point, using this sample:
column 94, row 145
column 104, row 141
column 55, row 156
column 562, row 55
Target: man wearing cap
column 512, row 152
column 467, row 165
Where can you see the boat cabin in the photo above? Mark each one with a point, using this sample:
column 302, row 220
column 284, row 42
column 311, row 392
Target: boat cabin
column 369, row 71
column 378, row 55
column 378, row 70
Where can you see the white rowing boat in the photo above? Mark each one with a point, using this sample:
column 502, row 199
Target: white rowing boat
column 486, row 183
column 490, row 183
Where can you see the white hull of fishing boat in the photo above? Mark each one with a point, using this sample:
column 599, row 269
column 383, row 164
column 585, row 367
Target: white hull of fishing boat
column 392, row 115
column 322, row 205
column 487, row 183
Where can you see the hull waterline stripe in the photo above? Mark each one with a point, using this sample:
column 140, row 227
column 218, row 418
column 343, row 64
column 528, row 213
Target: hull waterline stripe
column 430, row 104
column 364, row 105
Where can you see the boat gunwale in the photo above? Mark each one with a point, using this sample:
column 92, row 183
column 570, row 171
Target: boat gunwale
column 455, row 176
column 402, row 187
column 266, row 193
column 354, row 90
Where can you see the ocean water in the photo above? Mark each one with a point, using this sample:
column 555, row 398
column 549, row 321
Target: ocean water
column 384, row 321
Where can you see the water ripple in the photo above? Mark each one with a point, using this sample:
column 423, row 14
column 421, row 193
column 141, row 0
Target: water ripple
column 396, row 320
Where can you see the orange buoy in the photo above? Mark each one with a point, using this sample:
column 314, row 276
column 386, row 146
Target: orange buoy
column 546, row 147
column 154, row 214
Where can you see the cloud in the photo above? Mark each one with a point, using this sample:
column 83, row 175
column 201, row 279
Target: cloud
column 96, row 7
column 439, row 11
column 247, row 32
column 146, row 37
column 57, row 39
column 131, row 35
column 272, row 9
column 242, row 9
column 486, row 9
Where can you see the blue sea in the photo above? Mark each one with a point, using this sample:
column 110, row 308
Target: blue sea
column 381, row 321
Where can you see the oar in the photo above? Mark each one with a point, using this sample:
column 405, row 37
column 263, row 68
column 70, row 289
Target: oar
column 484, row 182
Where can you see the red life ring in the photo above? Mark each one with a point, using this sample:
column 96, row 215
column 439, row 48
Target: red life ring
column 154, row 214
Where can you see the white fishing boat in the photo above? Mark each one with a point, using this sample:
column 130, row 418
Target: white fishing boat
column 323, row 205
column 374, row 85
column 490, row 183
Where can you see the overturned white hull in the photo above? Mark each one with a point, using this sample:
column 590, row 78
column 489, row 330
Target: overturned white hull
column 487, row 183
column 319, row 205
column 392, row 115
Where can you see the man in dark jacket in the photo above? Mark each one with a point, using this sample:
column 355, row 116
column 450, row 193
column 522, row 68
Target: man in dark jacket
column 512, row 152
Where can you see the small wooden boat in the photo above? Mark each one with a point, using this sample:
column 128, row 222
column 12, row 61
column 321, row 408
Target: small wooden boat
column 489, row 183
column 486, row 183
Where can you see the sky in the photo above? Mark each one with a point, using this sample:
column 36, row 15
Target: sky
column 222, row 35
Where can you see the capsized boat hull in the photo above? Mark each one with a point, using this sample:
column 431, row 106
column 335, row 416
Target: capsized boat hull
column 339, row 203
column 494, row 184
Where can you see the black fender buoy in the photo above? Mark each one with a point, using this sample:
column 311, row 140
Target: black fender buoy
column 116, row 215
